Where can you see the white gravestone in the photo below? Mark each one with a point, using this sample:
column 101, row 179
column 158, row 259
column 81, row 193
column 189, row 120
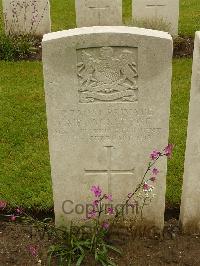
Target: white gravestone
column 27, row 17
column 166, row 10
column 98, row 13
column 190, row 203
column 108, row 103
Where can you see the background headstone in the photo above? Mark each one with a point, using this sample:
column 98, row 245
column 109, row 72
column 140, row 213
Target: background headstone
column 98, row 13
column 168, row 10
column 190, row 202
column 108, row 103
column 27, row 16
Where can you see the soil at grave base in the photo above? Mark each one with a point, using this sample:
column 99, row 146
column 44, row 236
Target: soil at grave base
column 172, row 249
column 183, row 47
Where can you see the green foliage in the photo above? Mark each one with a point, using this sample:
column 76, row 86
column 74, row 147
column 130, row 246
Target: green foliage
column 17, row 47
column 70, row 251
column 24, row 158
column 178, row 127
column 127, row 11
column 63, row 14
column 77, row 244
column 189, row 21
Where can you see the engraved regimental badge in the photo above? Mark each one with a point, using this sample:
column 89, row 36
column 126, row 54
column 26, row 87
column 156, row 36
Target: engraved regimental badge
column 107, row 74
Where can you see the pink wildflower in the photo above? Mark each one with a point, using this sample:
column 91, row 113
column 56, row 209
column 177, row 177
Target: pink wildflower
column 155, row 171
column 110, row 210
column 108, row 197
column 155, row 154
column 168, row 150
column 130, row 195
column 95, row 203
column 13, row 218
column 147, row 187
column 97, row 191
column 33, row 250
column 105, row 225
column 91, row 214
column 19, row 211
column 2, row 204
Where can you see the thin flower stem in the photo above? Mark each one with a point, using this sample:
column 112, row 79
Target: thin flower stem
column 151, row 164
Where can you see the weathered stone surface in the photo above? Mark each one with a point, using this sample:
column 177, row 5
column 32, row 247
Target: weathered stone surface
column 108, row 102
column 168, row 10
column 98, row 13
column 190, row 203
column 27, row 16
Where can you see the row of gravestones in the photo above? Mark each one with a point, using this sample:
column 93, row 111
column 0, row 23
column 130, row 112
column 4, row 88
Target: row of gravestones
column 108, row 95
column 33, row 16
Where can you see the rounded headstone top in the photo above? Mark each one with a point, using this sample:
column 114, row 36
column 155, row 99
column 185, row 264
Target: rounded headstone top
column 106, row 29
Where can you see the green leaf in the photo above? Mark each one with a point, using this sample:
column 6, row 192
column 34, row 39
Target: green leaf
column 103, row 263
column 96, row 255
column 49, row 259
column 81, row 249
column 114, row 249
column 111, row 263
column 72, row 242
column 70, row 260
column 105, row 251
column 80, row 260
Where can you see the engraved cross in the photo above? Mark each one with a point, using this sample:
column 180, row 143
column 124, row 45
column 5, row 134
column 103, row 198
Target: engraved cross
column 99, row 7
column 155, row 6
column 109, row 171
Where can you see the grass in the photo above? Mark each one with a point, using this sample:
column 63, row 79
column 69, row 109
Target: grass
column 178, row 126
column 63, row 14
column 189, row 17
column 25, row 170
